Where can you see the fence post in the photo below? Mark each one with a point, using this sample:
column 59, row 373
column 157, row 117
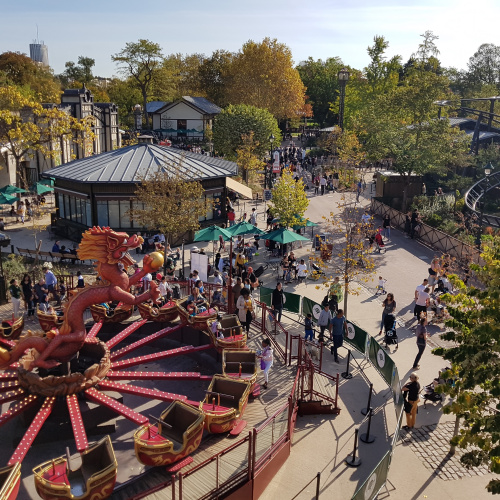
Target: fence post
column 364, row 411
column 366, row 438
column 318, row 479
column 254, row 447
column 351, row 460
column 250, row 456
column 180, row 485
column 346, row 374
column 336, row 390
column 173, row 487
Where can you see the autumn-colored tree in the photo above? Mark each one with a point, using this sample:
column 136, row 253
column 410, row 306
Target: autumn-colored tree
column 289, row 200
column 346, row 255
column 474, row 330
column 27, row 127
column 172, row 204
column 247, row 159
column 236, row 122
column 19, row 70
column 263, row 75
column 140, row 61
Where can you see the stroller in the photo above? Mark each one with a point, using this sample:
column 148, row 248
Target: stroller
column 430, row 393
column 391, row 337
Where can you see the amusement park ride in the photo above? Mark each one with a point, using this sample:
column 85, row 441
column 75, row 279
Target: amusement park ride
column 65, row 365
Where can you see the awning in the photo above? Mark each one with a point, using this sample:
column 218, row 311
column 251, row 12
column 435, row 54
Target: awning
column 240, row 188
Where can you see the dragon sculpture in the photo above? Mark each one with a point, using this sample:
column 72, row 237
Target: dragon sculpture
column 110, row 250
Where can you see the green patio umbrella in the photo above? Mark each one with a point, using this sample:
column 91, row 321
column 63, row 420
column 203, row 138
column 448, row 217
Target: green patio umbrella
column 284, row 236
column 212, row 233
column 7, row 199
column 47, row 182
column 9, row 189
column 40, row 188
column 243, row 228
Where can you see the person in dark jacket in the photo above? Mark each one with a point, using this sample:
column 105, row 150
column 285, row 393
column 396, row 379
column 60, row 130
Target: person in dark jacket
column 413, row 389
column 278, row 301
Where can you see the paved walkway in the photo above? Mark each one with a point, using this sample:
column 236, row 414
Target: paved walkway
column 419, row 468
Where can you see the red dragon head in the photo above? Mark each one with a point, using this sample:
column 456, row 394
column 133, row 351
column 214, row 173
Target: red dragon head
column 108, row 246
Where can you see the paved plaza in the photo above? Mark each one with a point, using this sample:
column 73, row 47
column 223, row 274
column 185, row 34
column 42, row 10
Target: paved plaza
column 420, row 467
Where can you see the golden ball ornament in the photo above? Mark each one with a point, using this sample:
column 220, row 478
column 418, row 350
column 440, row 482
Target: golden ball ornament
column 156, row 260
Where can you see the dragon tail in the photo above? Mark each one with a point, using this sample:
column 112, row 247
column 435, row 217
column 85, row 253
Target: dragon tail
column 9, row 357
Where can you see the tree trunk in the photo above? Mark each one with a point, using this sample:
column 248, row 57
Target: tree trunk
column 455, row 433
column 144, row 102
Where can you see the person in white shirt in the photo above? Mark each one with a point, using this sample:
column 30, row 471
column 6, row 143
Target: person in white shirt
column 422, row 303
column 253, row 217
column 301, row 270
column 217, row 280
column 146, row 281
column 418, row 289
column 366, row 217
column 267, row 358
column 164, row 289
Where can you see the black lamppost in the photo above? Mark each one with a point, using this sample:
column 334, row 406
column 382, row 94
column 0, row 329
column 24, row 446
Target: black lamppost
column 343, row 76
column 487, row 172
column 267, row 182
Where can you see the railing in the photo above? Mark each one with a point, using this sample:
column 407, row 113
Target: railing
column 271, row 335
column 477, row 191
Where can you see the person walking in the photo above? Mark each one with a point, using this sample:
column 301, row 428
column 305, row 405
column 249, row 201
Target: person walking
column 422, row 337
column 422, row 303
column 389, row 305
column 246, row 308
column 308, row 327
column 339, row 329
column 51, row 284
column 253, row 217
column 278, row 301
column 316, row 185
column 15, row 295
column 413, row 389
column 323, row 184
column 434, row 272
column 27, row 288
column 324, row 321
column 267, row 358
column 386, row 224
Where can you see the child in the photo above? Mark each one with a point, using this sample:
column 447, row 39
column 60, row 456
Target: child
column 309, row 332
column 191, row 308
column 217, row 327
column 381, row 286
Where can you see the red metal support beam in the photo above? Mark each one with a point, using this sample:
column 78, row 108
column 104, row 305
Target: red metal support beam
column 77, row 423
column 9, row 386
column 94, row 330
column 125, row 333
column 11, row 395
column 119, row 408
column 119, row 375
column 144, row 341
column 8, row 376
column 141, row 391
column 32, row 432
column 148, row 358
column 18, row 408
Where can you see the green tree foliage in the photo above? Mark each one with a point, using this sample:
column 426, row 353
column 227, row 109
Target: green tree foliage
column 263, row 75
column 382, row 76
column 172, row 204
column 214, row 76
column 235, row 122
column 125, row 95
column 19, row 70
column 475, row 359
column 484, row 65
column 79, row 72
column 321, row 81
column 140, row 62
column 289, row 201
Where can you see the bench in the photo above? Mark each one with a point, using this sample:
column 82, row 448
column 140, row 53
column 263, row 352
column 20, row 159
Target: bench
column 64, row 256
column 25, row 252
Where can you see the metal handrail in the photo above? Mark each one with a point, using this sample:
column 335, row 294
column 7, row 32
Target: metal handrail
column 477, row 191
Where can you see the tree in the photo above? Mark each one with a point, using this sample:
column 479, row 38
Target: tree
column 382, row 76
column 140, row 61
column 214, row 76
column 27, row 127
column 247, row 160
column 289, row 201
column 475, row 363
column 484, row 65
column 235, row 122
column 347, row 257
column 125, row 95
column 321, row 81
column 80, row 72
column 263, row 75
column 19, row 70
column 172, row 204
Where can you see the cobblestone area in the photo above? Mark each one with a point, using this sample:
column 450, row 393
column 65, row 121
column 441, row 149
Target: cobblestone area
column 431, row 444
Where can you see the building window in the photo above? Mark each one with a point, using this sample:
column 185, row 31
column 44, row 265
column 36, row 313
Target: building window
column 114, row 213
column 60, row 203
column 124, row 216
column 102, row 213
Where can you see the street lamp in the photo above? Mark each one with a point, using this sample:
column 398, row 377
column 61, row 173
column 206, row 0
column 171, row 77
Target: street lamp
column 487, row 171
column 267, row 182
column 343, row 76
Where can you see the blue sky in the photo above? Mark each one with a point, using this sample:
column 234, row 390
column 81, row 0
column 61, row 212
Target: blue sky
column 317, row 28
